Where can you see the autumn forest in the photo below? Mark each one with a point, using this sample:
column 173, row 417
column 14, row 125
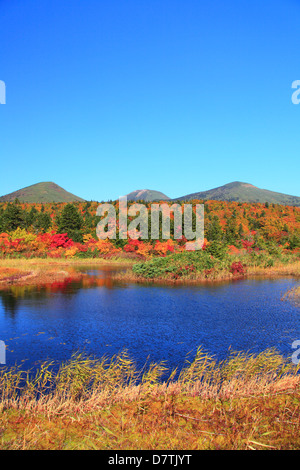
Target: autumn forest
column 237, row 234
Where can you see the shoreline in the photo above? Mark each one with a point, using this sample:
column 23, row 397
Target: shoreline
column 275, row 272
column 39, row 271
column 263, row 273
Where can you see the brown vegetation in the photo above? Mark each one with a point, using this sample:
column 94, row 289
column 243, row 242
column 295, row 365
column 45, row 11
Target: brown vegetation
column 245, row 402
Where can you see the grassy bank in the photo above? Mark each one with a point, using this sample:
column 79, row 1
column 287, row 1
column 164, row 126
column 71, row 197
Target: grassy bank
column 179, row 268
column 292, row 270
column 199, row 267
column 245, row 402
column 37, row 271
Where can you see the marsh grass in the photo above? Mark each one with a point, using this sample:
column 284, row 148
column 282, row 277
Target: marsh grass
column 49, row 263
column 84, row 376
column 108, row 403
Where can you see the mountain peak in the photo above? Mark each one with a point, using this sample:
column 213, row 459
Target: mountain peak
column 243, row 192
column 146, row 195
column 238, row 184
column 41, row 192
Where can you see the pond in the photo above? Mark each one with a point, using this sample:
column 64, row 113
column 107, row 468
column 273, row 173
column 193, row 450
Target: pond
column 101, row 317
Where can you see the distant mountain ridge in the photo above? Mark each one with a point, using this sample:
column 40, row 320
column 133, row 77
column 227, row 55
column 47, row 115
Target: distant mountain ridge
column 41, row 193
column 235, row 191
column 243, row 192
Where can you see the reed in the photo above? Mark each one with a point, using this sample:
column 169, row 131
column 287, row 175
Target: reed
column 104, row 403
column 83, row 376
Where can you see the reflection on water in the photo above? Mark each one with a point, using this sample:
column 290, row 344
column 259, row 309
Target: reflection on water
column 101, row 317
column 13, row 297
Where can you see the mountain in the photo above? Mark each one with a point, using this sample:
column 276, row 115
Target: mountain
column 243, row 192
column 146, row 195
column 41, row 192
column 236, row 191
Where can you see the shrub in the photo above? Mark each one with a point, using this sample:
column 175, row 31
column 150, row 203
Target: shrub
column 237, row 268
column 179, row 264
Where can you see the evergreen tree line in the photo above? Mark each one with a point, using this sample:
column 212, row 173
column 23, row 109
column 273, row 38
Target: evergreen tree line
column 71, row 221
column 68, row 221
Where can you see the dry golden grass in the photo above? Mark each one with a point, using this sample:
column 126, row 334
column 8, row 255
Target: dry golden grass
column 48, row 263
column 291, row 269
column 245, row 402
column 41, row 271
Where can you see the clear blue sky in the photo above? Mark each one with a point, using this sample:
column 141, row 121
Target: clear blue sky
column 107, row 96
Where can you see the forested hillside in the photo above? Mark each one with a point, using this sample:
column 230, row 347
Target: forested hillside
column 61, row 229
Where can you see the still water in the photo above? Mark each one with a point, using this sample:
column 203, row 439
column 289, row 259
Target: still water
column 156, row 322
